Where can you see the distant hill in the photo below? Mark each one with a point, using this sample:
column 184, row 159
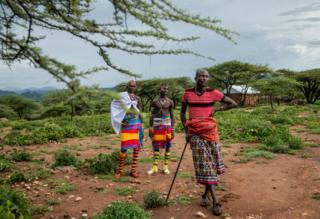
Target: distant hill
column 7, row 93
column 35, row 94
column 32, row 93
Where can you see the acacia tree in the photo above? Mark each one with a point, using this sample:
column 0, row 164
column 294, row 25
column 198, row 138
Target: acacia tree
column 87, row 100
column 232, row 73
column 309, row 84
column 75, row 18
column 274, row 85
column 23, row 107
column 148, row 90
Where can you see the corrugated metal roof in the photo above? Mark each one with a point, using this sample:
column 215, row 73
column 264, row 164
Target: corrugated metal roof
column 240, row 89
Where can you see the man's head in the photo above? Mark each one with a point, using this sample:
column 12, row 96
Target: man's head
column 202, row 77
column 163, row 89
column 131, row 86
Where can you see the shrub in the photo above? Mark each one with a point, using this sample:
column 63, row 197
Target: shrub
column 71, row 131
column 21, row 155
column 5, row 165
column 53, row 132
column 101, row 164
column 105, row 163
column 295, row 143
column 123, row 210
column 13, row 204
column 18, row 177
column 153, row 199
column 258, row 128
column 64, row 157
column 7, row 112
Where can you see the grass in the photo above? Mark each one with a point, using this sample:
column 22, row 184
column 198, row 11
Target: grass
column 52, row 202
column 41, row 173
column 123, row 179
column 306, row 155
column 184, row 175
column 64, row 188
column 183, row 200
column 60, row 186
column 254, row 153
column 95, row 146
column 312, row 144
column 220, row 188
column 146, row 160
column 39, row 209
column 124, row 191
column 149, row 159
column 316, row 196
column 74, row 147
column 46, row 151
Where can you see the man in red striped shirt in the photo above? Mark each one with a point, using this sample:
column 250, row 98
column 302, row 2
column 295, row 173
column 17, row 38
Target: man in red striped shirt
column 202, row 133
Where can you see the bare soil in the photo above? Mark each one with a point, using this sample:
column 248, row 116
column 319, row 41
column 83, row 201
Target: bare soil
column 279, row 188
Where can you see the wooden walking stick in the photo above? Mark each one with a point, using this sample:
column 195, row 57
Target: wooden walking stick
column 175, row 174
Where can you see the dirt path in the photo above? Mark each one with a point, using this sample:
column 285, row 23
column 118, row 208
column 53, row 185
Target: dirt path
column 273, row 189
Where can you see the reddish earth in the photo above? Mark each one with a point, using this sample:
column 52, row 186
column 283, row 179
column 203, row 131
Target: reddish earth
column 273, row 189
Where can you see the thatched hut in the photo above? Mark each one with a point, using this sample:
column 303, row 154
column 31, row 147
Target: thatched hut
column 239, row 94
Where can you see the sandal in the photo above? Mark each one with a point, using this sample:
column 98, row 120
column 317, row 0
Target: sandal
column 216, row 209
column 204, row 201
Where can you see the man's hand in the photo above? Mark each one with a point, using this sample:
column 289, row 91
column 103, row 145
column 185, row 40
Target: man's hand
column 151, row 132
column 172, row 134
column 188, row 137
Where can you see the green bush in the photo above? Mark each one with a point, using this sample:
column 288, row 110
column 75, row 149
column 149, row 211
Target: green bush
column 64, row 157
column 7, row 112
column 101, row 164
column 55, row 129
column 18, row 177
column 104, row 163
column 153, row 200
column 257, row 128
column 295, row 143
column 21, row 155
column 71, row 131
column 123, row 210
column 53, row 132
column 13, row 204
column 5, row 165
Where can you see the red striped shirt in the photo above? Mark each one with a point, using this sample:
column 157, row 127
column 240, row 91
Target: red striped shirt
column 201, row 106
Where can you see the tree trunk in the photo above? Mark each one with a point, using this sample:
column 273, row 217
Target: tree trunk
column 271, row 102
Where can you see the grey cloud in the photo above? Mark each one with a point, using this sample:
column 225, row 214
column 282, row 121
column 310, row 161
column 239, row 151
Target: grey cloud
column 300, row 10
column 314, row 42
column 310, row 19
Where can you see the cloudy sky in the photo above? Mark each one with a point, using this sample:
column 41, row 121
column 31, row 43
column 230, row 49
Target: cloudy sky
column 277, row 33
